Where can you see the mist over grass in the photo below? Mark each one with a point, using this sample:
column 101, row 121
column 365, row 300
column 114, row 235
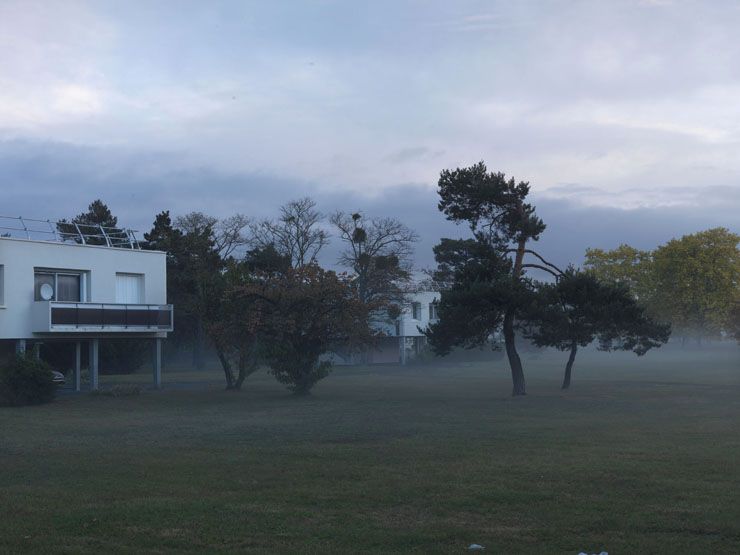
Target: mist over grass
column 639, row 456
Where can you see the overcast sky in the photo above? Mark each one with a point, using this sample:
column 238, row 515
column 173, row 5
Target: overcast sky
column 624, row 116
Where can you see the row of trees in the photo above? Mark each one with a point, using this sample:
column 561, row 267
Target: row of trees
column 692, row 282
column 255, row 292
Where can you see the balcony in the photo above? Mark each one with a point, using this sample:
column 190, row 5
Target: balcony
column 54, row 317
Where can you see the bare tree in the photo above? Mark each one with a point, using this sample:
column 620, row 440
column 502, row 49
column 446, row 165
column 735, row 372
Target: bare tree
column 228, row 234
column 379, row 252
column 296, row 233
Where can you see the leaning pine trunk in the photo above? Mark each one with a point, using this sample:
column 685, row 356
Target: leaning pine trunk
column 569, row 365
column 515, row 363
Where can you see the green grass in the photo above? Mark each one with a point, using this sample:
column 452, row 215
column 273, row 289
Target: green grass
column 642, row 456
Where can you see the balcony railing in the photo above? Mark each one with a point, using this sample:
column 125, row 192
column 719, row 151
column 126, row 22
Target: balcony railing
column 53, row 316
column 63, row 231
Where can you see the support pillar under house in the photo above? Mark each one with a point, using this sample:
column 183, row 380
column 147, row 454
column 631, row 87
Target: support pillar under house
column 157, row 363
column 94, row 352
column 78, row 366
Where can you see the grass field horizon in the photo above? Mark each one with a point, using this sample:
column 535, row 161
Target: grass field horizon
column 641, row 455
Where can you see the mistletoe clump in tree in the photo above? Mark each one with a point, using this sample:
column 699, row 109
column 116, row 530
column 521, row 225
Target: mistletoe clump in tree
column 379, row 252
column 484, row 283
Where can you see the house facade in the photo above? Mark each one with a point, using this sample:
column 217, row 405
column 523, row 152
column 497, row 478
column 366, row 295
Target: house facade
column 403, row 339
column 83, row 288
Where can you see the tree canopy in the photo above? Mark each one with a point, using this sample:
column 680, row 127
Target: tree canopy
column 624, row 265
column 698, row 279
column 89, row 223
column 303, row 313
column 578, row 309
column 691, row 282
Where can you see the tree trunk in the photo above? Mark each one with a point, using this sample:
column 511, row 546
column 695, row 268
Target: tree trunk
column 247, row 365
column 515, row 363
column 569, row 365
column 226, row 365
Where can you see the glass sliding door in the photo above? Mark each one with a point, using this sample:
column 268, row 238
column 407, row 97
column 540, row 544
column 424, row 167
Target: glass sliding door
column 67, row 286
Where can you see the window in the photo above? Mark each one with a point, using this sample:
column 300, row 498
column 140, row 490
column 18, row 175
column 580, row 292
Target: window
column 433, row 311
column 64, row 286
column 129, row 288
column 416, row 311
column 2, row 285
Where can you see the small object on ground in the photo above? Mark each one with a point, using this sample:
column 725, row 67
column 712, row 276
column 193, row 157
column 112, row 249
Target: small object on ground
column 475, row 547
column 602, row 553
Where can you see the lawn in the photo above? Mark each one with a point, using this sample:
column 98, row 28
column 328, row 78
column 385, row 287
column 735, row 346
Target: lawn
column 641, row 456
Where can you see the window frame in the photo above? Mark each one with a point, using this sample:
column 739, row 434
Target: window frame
column 56, row 272
column 141, row 278
column 414, row 307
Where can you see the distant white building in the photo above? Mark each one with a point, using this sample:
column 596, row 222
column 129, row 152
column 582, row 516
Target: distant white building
column 82, row 287
column 403, row 337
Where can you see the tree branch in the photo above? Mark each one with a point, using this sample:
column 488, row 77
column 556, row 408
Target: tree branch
column 543, row 268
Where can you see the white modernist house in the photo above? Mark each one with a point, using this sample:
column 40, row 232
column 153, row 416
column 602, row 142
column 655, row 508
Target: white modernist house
column 403, row 339
column 81, row 286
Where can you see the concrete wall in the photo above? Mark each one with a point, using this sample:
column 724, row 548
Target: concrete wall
column 19, row 258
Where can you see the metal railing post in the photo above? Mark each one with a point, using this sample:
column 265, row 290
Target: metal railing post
column 28, row 235
column 105, row 235
column 79, row 232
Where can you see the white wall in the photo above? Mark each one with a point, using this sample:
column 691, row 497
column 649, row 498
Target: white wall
column 19, row 257
column 408, row 325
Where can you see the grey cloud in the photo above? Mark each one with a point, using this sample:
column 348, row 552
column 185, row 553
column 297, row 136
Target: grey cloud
column 54, row 181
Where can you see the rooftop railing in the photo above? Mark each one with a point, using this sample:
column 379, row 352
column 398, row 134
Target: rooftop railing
column 64, row 231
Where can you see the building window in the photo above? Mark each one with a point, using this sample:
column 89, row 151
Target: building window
column 52, row 285
column 129, row 288
column 433, row 311
column 416, row 311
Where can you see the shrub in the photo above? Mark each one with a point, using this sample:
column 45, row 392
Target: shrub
column 26, row 381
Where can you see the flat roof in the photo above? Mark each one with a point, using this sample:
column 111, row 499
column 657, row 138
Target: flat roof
column 79, row 245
